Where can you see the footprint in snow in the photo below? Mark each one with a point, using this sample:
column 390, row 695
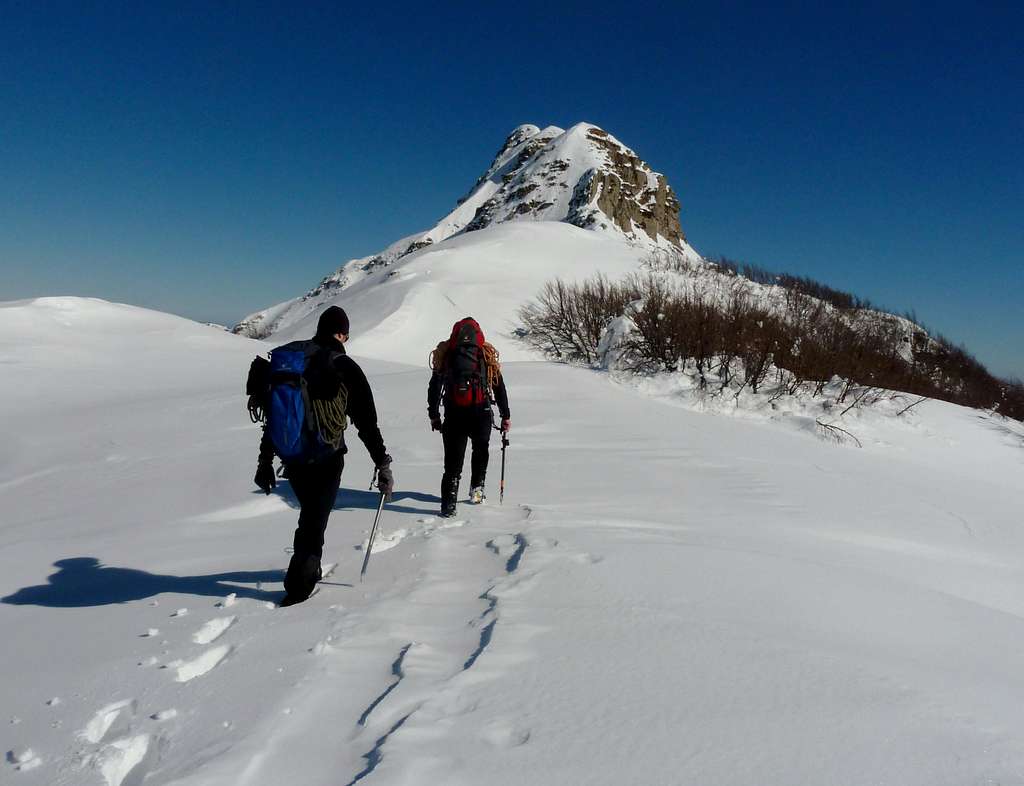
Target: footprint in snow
column 505, row 735
column 121, row 758
column 323, row 647
column 103, row 719
column 228, row 601
column 180, row 613
column 23, row 760
column 164, row 715
column 197, row 667
column 213, row 630
column 389, row 541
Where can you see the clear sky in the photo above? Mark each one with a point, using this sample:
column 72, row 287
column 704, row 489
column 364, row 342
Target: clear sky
column 211, row 158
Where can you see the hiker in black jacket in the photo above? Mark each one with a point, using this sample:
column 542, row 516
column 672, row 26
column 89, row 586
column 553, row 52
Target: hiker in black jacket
column 467, row 378
column 316, row 482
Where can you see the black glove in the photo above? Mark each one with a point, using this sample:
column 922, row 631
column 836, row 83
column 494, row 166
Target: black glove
column 435, row 423
column 385, row 479
column 265, row 476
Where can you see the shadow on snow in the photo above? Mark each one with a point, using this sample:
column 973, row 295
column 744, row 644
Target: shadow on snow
column 85, row 581
column 359, row 499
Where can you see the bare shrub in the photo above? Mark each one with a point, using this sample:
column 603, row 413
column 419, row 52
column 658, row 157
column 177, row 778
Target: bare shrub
column 567, row 320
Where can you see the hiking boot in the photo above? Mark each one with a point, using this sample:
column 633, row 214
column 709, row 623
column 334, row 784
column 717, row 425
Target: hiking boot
column 449, row 494
column 303, row 573
column 477, row 496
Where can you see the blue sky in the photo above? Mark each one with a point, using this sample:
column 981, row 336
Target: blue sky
column 212, row 158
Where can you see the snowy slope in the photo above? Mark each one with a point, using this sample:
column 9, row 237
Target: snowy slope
column 581, row 177
column 665, row 597
column 401, row 312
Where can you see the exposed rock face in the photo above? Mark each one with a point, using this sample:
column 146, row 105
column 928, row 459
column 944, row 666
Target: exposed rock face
column 583, row 176
column 624, row 193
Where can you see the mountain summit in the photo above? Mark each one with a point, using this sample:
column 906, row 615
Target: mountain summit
column 582, row 176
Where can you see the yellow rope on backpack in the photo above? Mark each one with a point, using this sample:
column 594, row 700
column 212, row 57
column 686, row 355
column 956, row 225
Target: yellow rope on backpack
column 491, row 362
column 331, row 419
column 437, row 355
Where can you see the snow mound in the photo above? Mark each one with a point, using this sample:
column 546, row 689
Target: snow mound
column 93, row 346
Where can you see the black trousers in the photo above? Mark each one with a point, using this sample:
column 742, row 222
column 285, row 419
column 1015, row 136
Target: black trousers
column 473, row 425
column 316, row 486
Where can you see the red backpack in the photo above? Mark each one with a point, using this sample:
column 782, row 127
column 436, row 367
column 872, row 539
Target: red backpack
column 466, row 369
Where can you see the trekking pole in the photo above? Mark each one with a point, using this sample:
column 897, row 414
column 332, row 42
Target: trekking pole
column 373, row 534
column 504, row 444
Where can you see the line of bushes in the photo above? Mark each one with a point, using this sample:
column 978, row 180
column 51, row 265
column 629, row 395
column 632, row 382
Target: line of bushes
column 797, row 343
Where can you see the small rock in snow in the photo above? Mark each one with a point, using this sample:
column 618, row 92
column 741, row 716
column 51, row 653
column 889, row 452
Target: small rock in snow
column 164, row 715
column 150, row 633
column 180, row 613
column 53, row 702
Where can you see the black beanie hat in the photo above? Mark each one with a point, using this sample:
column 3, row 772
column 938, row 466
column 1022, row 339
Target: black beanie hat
column 333, row 320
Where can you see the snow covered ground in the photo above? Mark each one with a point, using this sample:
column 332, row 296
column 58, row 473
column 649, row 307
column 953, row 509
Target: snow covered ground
column 666, row 596
column 402, row 311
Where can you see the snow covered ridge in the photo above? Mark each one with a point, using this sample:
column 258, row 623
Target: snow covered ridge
column 582, row 176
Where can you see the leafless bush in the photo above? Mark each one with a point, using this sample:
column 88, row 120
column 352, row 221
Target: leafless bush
column 567, row 320
column 838, row 435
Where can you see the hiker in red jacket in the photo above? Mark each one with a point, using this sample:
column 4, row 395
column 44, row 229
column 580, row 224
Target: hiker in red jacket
column 467, row 378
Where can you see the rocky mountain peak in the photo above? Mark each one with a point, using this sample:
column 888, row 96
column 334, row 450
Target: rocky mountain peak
column 581, row 176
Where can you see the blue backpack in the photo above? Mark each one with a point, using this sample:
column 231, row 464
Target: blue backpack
column 305, row 411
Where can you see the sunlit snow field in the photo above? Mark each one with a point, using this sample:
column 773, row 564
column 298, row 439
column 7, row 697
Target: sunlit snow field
column 665, row 597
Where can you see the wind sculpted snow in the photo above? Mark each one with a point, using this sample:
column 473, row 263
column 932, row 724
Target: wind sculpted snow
column 665, row 597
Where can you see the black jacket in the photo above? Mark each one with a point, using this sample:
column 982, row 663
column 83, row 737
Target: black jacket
column 360, row 407
column 435, row 390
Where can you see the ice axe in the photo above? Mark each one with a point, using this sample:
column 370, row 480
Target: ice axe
column 373, row 534
column 373, row 529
